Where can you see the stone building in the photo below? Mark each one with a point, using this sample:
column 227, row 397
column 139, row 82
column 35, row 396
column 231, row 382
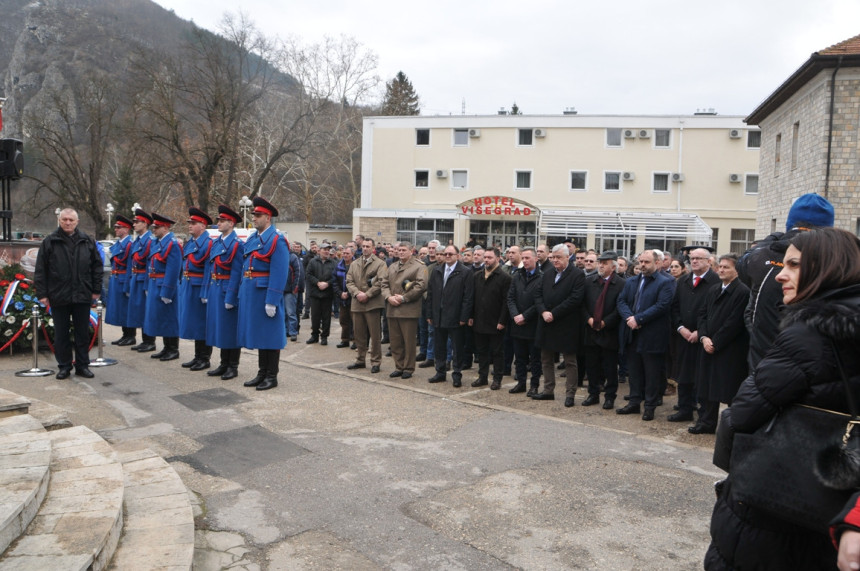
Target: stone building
column 809, row 139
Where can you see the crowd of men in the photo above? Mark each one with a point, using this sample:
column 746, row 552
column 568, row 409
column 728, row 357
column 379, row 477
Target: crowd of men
column 530, row 312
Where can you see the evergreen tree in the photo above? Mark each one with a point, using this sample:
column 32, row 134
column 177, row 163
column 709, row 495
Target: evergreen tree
column 400, row 97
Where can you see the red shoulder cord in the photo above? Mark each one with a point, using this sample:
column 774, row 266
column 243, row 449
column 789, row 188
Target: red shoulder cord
column 227, row 264
column 197, row 262
column 140, row 260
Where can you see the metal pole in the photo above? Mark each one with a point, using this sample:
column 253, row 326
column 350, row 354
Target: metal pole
column 35, row 371
column 101, row 361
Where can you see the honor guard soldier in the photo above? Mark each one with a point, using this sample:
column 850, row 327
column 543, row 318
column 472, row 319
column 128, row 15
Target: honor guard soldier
column 192, row 295
column 162, row 314
column 116, row 312
column 137, row 279
column 221, row 289
column 262, row 325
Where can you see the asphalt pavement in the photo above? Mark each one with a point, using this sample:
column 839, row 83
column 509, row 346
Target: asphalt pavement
column 338, row 470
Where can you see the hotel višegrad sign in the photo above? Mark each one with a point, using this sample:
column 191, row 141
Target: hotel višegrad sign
column 496, row 206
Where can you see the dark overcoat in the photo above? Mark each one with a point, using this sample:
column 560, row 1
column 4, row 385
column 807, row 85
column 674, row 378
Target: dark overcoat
column 491, row 301
column 722, row 320
column 653, row 314
column 221, row 288
column 686, row 306
column 564, row 300
column 192, row 310
column 450, row 303
column 521, row 300
column 116, row 311
column 68, row 269
column 162, row 319
column 138, row 269
column 265, row 270
column 608, row 336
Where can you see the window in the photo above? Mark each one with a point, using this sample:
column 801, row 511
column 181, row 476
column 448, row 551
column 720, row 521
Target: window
column 459, row 179
column 578, row 180
column 524, row 180
column 422, row 137
column 422, row 179
column 505, row 233
column 661, row 182
column 525, row 137
column 461, row 137
column 611, row 181
column 795, row 130
column 753, row 139
column 715, row 236
column 613, row 137
column 776, row 154
column 657, row 237
column 662, row 138
column 421, row 230
column 751, row 186
column 742, row 239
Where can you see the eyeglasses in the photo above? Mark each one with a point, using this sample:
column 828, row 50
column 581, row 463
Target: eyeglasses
column 698, row 259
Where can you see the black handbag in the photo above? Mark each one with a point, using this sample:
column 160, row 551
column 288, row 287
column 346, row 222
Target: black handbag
column 802, row 466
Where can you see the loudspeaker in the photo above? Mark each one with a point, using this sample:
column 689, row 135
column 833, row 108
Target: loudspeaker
column 12, row 157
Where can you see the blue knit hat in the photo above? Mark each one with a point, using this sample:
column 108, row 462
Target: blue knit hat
column 810, row 210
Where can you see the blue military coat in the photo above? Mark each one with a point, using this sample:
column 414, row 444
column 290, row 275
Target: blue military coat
column 116, row 312
column 162, row 319
column 264, row 276
column 221, row 288
column 137, row 280
column 192, row 311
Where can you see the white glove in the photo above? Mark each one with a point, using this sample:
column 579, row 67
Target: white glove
column 229, row 306
column 127, row 294
column 167, row 300
column 203, row 300
column 270, row 310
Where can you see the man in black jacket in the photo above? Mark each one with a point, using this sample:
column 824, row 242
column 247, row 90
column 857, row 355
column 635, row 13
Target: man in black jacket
column 521, row 305
column 490, row 317
column 69, row 280
column 449, row 306
column 320, row 280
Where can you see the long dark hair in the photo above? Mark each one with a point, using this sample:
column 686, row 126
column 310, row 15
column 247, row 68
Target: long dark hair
column 830, row 259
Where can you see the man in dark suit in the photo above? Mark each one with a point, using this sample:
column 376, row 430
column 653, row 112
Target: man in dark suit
column 559, row 303
column 600, row 345
column 524, row 316
column 490, row 317
column 689, row 300
column 645, row 306
column 449, row 306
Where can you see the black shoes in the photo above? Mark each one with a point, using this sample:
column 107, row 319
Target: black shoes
column 680, row 417
column 569, row 402
column 648, row 414
column 518, row 388
column 294, row 338
column 230, row 373
column 419, row 356
column 457, row 383
column 544, row 396
column 480, row 383
column 323, row 341
column 427, row 364
column 591, row 399
column 374, row 369
column 355, row 366
column 406, row 375
column 608, row 404
column 125, row 341
column 200, row 365
column 64, row 373
column 158, row 355
column 189, row 364
column 268, row 383
column 532, row 392
column 217, row 371
column 144, row 347
column 256, row 380
column 169, row 355
column 353, row 346
column 84, row 372
column 700, row 428
column 437, row 378
column 342, row 344
column 312, row 340
column 395, row 374
column 629, row 409
column 497, row 384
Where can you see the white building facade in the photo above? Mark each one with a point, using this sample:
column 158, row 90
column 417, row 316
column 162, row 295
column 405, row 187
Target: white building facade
column 624, row 183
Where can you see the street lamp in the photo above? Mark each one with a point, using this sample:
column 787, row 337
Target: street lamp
column 57, row 211
column 109, row 209
column 135, row 208
column 245, row 205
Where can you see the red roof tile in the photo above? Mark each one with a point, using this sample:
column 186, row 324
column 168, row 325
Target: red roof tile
column 849, row 46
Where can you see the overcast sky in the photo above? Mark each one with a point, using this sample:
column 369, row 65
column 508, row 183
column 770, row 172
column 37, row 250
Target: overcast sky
column 601, row 57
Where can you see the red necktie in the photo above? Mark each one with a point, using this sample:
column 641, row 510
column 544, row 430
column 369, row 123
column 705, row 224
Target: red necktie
column 600, row 303
column 696, row 280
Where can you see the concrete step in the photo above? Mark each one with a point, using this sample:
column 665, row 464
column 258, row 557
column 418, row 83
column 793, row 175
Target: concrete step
column 78, row 524
column 158, row 532
column 12, row 404
column 25, row 457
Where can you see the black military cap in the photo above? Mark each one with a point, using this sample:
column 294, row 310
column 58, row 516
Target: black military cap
column 122, row 221
column 263, row 206
column 143, row 216
column 197, row 215
column 225, row 211
column 608, row 255
column 160, row 220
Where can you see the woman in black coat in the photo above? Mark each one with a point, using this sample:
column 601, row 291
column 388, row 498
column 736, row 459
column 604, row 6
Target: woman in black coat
column 821, row 289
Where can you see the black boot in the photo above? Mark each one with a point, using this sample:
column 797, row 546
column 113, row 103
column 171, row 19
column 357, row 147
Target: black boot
column 232, row 364
column 261, row 376
column 202, row 354
column 171, row 349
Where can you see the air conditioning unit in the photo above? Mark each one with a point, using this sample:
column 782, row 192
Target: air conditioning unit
column 629, row 134
column 734, row 133
column 540, row 133
column 734, row 177
column 628, row 175
column 441, row 173
column 644, row 133
column 474, row 133
column 677, row 177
